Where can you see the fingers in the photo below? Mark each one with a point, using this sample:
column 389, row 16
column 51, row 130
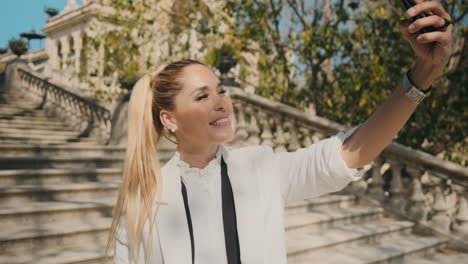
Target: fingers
column 427, row 7
column 404, row 24
column 436, row 36
column 435, row 21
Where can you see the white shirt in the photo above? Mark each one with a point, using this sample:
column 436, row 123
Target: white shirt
column 205, row 205
column 262, row 181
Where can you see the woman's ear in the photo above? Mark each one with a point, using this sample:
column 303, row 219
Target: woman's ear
column 168, row 120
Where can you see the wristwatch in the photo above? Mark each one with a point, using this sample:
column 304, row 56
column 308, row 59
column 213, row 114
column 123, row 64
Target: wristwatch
column 413, row 92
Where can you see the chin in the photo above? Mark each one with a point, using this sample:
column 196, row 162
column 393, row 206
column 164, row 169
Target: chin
column 225, row 137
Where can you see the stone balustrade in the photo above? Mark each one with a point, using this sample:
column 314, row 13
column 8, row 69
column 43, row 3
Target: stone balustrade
column 82, row 114
column 412, row 183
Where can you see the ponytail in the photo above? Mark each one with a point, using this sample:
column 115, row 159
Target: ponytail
column 142, row 180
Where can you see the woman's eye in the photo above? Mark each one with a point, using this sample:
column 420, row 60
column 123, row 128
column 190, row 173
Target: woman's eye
column 201, row 97
column 206, row 96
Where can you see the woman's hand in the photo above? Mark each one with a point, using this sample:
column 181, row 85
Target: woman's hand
column 432, row 49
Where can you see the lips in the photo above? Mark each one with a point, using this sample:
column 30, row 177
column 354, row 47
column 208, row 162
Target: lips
column 220, row 121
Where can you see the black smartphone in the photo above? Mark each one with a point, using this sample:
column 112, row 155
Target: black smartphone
column 408, row 4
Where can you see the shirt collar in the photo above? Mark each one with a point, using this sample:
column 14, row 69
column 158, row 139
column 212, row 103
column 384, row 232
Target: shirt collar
column 222, row 151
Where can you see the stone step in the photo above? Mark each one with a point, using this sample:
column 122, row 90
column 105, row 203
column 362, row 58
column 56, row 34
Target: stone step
column 58, row 176
column 15, row 163
column 82, row 254
column 90, row 191
column 33, row 134
column 32, row 123
column 19, row 141
column 13, row 107
column 40, row 214
column 67, row 234
column 74, row 149
column 301, row 245
column 37, row 132
column 30, row 113
column 43, row 139
column 395, row 250
column 441, row 257
column 325, row 218
column 50, row 127
column 5, row 110
column 326, row 201
column 29, row 118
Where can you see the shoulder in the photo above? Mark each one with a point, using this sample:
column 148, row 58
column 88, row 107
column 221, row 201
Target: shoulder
column 249, row 152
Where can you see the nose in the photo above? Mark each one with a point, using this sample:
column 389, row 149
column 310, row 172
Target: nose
column 220, row 104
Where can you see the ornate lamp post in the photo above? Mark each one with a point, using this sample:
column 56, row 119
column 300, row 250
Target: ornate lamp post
column 51, row 11
column 32, row 35
column 227, row 62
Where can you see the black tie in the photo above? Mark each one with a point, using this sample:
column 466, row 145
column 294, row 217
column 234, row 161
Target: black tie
column 229, row 218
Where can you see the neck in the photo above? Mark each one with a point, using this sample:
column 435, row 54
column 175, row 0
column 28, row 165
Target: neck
column 196, row 156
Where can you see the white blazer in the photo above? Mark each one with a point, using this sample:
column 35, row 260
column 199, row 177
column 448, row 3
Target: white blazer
column 263, row 182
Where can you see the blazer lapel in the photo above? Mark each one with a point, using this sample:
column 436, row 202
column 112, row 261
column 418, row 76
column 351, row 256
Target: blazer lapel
column 171, row 220
column 249, row 211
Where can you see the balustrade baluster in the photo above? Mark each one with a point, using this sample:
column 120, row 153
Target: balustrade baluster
column 440, row 217
column 293, row 142
column 266, row 136
column 396, row 188
column 417, row 207
column 280, row 140
column 375, row 186
column 462, row 215
column 253, row 129
column 307, row 138
column 241, row 126
column 317, row 136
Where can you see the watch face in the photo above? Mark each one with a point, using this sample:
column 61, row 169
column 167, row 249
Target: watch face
column 414, row 94
column 411, row 91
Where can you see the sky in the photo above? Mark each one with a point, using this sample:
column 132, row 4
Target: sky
column 18, row 16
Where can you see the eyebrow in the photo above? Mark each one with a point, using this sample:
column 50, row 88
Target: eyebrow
column 205, row 88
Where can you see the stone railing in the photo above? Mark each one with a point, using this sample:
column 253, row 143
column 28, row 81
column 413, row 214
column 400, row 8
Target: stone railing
column 82, row 114
column 412, row 183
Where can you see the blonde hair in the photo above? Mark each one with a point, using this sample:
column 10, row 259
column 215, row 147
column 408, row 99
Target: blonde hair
column 142, row 179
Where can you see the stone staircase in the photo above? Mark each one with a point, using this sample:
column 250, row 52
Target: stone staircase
column 340, row 229
column 57, row 192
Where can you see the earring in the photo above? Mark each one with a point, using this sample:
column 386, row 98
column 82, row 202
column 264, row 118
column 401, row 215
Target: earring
column 173, row 129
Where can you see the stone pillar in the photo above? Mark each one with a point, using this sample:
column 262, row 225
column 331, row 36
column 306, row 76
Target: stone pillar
column 396, row 188
column 12, row 84
column 462, row 215
column 375, row 187
column 440, row 218
column 65, row 51
column 78, row 43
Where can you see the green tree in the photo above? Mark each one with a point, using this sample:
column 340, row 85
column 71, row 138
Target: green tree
column 344, row 57
column 349, row 56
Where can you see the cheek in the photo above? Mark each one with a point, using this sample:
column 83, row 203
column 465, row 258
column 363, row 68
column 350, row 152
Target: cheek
column 193, row 119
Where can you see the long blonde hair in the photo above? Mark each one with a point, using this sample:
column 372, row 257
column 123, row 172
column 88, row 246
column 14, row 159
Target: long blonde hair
column 142, row 180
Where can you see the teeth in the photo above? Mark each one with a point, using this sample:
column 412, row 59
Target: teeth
column 220, row 121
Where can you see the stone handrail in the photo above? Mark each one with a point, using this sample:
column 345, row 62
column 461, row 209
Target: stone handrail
column 418, row 185
column 83, row 115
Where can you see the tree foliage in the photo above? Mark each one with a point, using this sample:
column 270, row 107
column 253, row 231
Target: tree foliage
column 343, row 57
column 348, row 57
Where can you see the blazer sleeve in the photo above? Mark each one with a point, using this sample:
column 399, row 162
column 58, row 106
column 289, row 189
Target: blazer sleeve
column 314, row 170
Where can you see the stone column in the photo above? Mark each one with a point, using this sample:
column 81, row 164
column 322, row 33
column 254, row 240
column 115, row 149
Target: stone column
column 78, row 43
column 396, row 188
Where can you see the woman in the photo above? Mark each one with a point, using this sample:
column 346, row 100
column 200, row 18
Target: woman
column 209, row 204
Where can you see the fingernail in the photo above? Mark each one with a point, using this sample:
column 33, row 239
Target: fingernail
column 411, row 11
column 411, row 28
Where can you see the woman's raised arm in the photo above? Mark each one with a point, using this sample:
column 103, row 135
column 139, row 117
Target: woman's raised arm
column 432, row 51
